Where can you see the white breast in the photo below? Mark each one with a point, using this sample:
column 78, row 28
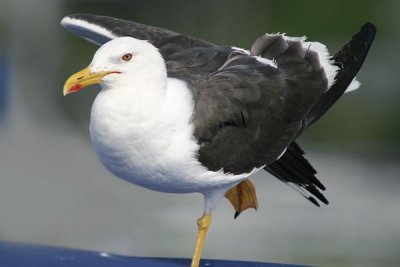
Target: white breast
column 151, row 144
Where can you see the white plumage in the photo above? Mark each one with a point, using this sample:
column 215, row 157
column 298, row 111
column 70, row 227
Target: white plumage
column 140, row 125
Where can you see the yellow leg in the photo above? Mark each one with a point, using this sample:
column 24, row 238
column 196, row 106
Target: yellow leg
column 203, row 224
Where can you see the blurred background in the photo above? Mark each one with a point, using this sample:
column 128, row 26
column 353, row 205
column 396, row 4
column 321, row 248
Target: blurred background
column 54, row 191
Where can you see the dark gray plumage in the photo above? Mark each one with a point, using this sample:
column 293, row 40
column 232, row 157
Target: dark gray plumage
column 248, row 112
column 292, row 167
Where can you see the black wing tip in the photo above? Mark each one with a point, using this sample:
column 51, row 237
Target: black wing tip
column 349, row 59
column 293, row 167
column 368, row 30
column 320, row 186
column 316, row 203
column 369, row 26
column 318, row 195
column 324, row 200
column 364, row 36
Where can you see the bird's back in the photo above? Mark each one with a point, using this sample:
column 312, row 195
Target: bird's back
column 249, row 110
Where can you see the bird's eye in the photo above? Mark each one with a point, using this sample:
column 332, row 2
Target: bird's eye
column 127, row 57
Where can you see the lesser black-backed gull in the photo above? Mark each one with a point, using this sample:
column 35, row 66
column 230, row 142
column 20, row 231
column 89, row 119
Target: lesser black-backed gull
column 182, row 115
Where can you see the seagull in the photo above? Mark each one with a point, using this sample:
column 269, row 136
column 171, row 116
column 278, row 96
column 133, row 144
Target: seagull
column 178, row 114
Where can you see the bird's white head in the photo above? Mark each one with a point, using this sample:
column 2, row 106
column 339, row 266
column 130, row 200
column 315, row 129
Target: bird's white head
column 119, row 61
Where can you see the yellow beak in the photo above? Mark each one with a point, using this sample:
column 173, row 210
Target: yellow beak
column 83, row 79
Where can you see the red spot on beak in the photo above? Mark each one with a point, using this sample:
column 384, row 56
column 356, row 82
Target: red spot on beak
column 117, row 72
column 75, row 88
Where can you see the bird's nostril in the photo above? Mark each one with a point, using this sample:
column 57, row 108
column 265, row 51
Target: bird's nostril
column 80, row 77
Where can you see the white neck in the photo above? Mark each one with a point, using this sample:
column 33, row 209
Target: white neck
column 140, row 94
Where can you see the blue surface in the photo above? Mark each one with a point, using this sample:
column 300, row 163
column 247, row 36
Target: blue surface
column 26, row 255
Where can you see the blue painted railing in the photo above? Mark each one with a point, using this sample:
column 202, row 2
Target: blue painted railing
column 27, row 255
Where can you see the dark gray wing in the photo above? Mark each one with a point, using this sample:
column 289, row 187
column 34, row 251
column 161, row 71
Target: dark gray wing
column 248, row 112
column 101, row 29
column 293, row 167
column 183, row 54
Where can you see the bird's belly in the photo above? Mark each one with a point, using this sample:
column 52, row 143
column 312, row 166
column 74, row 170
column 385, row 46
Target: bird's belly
column 160, row 162
column 151, row 147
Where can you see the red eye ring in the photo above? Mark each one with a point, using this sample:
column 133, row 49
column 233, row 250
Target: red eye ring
column 127, row 57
